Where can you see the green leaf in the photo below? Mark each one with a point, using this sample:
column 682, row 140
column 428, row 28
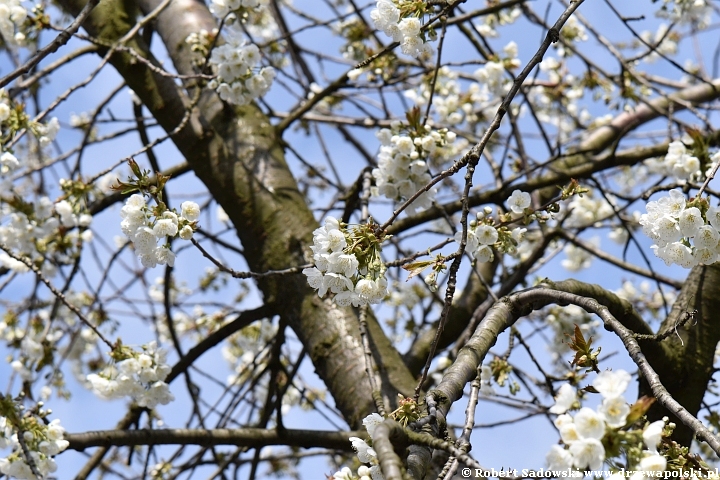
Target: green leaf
column 639, row 408
column 416, row 268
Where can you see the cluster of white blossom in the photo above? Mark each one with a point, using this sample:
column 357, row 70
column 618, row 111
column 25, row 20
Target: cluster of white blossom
column 31, row 351
column 492, row 74
column 84, row 122
column 564, row 318
column 156, row 292
column 47, row 228
column 671, row 223
column 480, row 239
column 12, row 16
column 506, row 16
column 341, row 273
column 244, row 348
column 558, row 104
column 480, row 101
column 403, row 297
column 526, row 242
column 680, row 164
column 578, row 258
column 240, row 79
column 565, row 113
column 144, row 230
column 695, row 12
column 407, row 31
column 243, row 351
column 8, row 161
column 243, row 9
column 403, row 164
column 583, row 433
column 365, row 454
column 140, row 376
column 646, row 300
column 47, row 234
column 572, row 31
column 585, row 210
column 200, row 42
column 662, row 42
column 619, row 235
column 447, row 101
column 43, row 441
column 34, row 345
column 46, row 132
column 404, row 294
column 482, row 234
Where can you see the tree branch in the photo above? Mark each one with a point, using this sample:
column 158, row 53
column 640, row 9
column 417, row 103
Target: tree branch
column 52, row 47
column 244, row 437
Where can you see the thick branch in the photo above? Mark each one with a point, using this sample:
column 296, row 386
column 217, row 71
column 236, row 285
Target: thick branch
column 687, row 366
column 503, row 314
column 541, row 296
column 387, row 436
column 560, row 172
column 606, row 135
column 474, row 293
column 242, row 437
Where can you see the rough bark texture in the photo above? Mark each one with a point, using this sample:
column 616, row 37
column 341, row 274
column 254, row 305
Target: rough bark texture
column 463, row 306
column 684, row 366
column 687, row 366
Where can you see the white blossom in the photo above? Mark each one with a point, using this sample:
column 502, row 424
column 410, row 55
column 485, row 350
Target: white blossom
column 589, row 424
column 558, row 458
column 612, row 383
column 406, row 31
column 190, row 211
column 614, row 411
column 569, row 433
column 486, row 234
column 652, row 435
column 402, row 169
column 364, row 452
column 337, row 272
column 564, row 400
column 653, row 463
column 140, row 378
column 519, row 201
column 371, row 422
column 587, row 453
column 343, row 474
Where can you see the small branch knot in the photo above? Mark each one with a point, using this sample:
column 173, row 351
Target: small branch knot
column 554, row 35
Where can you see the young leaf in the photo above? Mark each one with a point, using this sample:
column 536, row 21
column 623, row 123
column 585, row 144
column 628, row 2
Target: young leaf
column 416, row 268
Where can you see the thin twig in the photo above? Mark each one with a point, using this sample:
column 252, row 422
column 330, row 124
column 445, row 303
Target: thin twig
column 28, row 263
column 235, row 274
column 471, row 159
column 52, row 47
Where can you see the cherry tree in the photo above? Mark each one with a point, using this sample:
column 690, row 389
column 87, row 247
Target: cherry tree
column 257, row 232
